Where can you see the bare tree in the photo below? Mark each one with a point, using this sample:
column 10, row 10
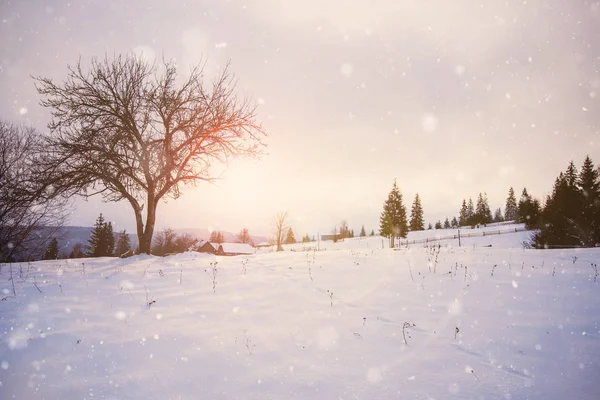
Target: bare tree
column 30, row 213
column 126, row 130
column 216, row 237
column 244, row 237
column 184, row 241
column 280, row 228
column 164, row 242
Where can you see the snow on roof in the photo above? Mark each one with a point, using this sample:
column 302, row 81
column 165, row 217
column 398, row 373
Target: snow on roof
column 201, row 243
column 237, row 248
column 263, row 244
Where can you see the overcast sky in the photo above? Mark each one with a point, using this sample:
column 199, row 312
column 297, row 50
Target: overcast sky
column 452, row 98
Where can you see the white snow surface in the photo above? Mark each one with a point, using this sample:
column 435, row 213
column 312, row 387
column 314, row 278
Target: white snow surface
column 306, row 325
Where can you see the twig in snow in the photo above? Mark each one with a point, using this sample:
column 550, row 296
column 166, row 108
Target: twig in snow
column 405, row 332
column 410, row 270
column 248, row 342
column 35, row 284
column 475, row 375
column 151, row 301
column 12, row 281
column 330, row 297
column 213, row 275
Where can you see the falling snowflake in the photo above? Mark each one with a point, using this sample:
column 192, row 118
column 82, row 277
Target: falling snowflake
column 346, row 69
column 429, row 123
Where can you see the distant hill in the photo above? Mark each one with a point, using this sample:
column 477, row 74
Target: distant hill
column 69, row 235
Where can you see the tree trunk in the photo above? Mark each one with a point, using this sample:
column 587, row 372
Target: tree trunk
column 145, row 235
column 146, row 238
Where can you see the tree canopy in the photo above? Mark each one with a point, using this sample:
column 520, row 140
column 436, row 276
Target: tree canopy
column 130, row 130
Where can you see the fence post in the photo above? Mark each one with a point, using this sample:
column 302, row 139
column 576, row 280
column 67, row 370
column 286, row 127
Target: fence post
column 459, row 238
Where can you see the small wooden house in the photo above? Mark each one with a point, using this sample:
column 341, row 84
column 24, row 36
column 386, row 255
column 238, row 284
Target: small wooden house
column 207, row 247
column 235, row 249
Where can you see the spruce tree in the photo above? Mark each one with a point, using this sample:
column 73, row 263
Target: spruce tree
column 589, row 183
column 528, row 211
column 463, row 216
column 123, row 244
column 510, row 209
column 372, row 232
column 429, row 227
column 362, row 231
column 446, row 224
column 454, row 222
column 110, row 239
column 562, row 223
column 470, row 213
column 290, row 239
column 97, row 241
column 416, row 215
column 498, row 215
column 487, row 211
column 483, row 214
column 51, row 252
column 393, row 222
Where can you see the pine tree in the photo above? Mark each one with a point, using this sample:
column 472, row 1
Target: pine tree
column 78, row 251
column 362, row 232
column 498, row 215
column 528, row 210
column 290, row 239
column 562, row 222
column 487, row 211
column 393, row 222
column 446, row 224
column 97, row 242
column 110, row 239
column 463, row 216
column 454, row 222
column 438, row 225
column 430, row 227
column 470, row 213
column 483, row 214
column 416, row 215
column 523, row 207
column 52, row 250
column 589, row 183
column 372, row 232
column 123, row 244
column 510, row 210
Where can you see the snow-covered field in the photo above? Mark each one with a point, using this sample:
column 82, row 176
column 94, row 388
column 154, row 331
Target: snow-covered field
column 352, row 322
